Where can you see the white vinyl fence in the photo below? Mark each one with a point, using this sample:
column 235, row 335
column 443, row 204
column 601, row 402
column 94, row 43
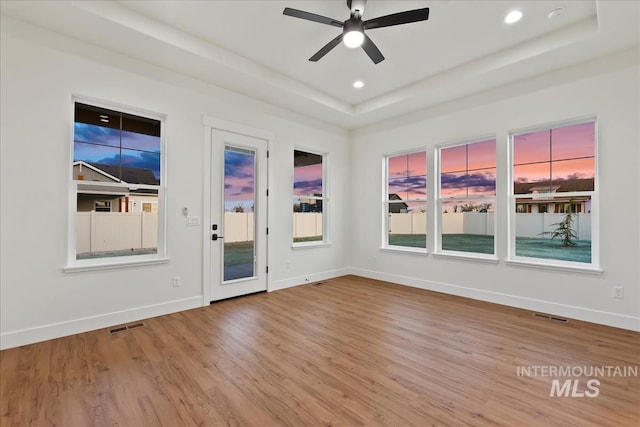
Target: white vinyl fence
column 532, row 224
column 238, row 227
column 408, row 223
column 481, row 223
column 307, row 224
column 115, row 231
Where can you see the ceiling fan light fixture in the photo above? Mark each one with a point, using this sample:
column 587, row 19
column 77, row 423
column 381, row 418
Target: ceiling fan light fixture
column 353, row 39
column 353, row 31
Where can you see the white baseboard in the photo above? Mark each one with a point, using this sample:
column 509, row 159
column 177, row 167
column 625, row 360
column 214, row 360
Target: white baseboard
column 588, row 315
column 310, row 278
column 61, row 329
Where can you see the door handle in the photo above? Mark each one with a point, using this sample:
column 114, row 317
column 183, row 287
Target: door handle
column 216, row 237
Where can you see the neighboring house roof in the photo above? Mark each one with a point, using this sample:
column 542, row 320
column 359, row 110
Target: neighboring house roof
column 394, row 196
column 557, row 186
column 101, row 172
column 130, row 175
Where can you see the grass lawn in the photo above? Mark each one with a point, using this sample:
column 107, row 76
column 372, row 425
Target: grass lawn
column 553, row 249
column 110, row 254
column 307, row 239
column 525, row 246
column 480, row 244
column 238, row 253
column 411, row 240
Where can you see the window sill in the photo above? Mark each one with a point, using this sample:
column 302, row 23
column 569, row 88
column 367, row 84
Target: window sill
column 115, row 265
column 544, row 266
column 309, row 245
column 490, row 259
column 404, row 250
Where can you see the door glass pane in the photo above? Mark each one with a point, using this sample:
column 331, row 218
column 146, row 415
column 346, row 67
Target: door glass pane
column 239, row 205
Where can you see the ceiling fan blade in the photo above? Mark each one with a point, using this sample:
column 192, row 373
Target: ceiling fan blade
column 405, row 17
column 372, row 50
column 311, row 17
column 322, row 52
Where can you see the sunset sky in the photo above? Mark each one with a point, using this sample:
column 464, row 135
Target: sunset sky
column 407, row 176
column 239, row 180
column 466, row 170
column 560, row 154
column 307, row 180
column 97, row 144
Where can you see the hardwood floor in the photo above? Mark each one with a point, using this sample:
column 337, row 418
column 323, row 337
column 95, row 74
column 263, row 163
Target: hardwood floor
column 348, row 352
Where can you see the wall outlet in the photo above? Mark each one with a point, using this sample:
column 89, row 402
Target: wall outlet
column 287, row 265
column 176, row 282
column 618, row 292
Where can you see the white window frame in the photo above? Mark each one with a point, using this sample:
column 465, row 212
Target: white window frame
column 105, row 263
column 544, row 263
column 326, row 241
column 385, row 203
column 473, row 256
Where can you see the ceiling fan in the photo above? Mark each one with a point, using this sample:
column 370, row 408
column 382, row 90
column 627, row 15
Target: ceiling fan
column 353, row 28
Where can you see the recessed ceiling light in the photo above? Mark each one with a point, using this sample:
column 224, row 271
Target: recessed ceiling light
column 104, row 120
column 554, row 13
column 358, row 84
column 513, row 16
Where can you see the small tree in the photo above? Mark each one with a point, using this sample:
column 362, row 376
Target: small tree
column 564, row 229
column 468, row 207
column 239, row 208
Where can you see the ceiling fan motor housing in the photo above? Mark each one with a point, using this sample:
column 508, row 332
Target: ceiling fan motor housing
column 353, row 24
column 356, row 5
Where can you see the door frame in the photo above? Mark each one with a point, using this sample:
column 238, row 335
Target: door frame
column 210, row 124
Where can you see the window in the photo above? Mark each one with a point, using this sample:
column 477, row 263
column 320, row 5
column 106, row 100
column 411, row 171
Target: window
column 467, row 198
column 102, row 206
column 309, row 203
column 116, row 185
column 554, row 174
column 405, row 204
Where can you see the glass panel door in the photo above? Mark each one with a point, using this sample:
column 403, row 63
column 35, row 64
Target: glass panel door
column 237, row 252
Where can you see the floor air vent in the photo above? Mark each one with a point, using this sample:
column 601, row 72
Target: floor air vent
column 125, row 328
column 548, row 317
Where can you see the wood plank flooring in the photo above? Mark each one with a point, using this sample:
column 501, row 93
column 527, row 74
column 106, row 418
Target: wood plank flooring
column 349, row 352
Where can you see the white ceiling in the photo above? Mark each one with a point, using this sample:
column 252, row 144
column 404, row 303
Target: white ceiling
column 250, row 47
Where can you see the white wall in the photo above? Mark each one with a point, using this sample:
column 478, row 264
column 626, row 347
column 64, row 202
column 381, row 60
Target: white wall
column 606, row 88
column 40, row 71
column 38, row 78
